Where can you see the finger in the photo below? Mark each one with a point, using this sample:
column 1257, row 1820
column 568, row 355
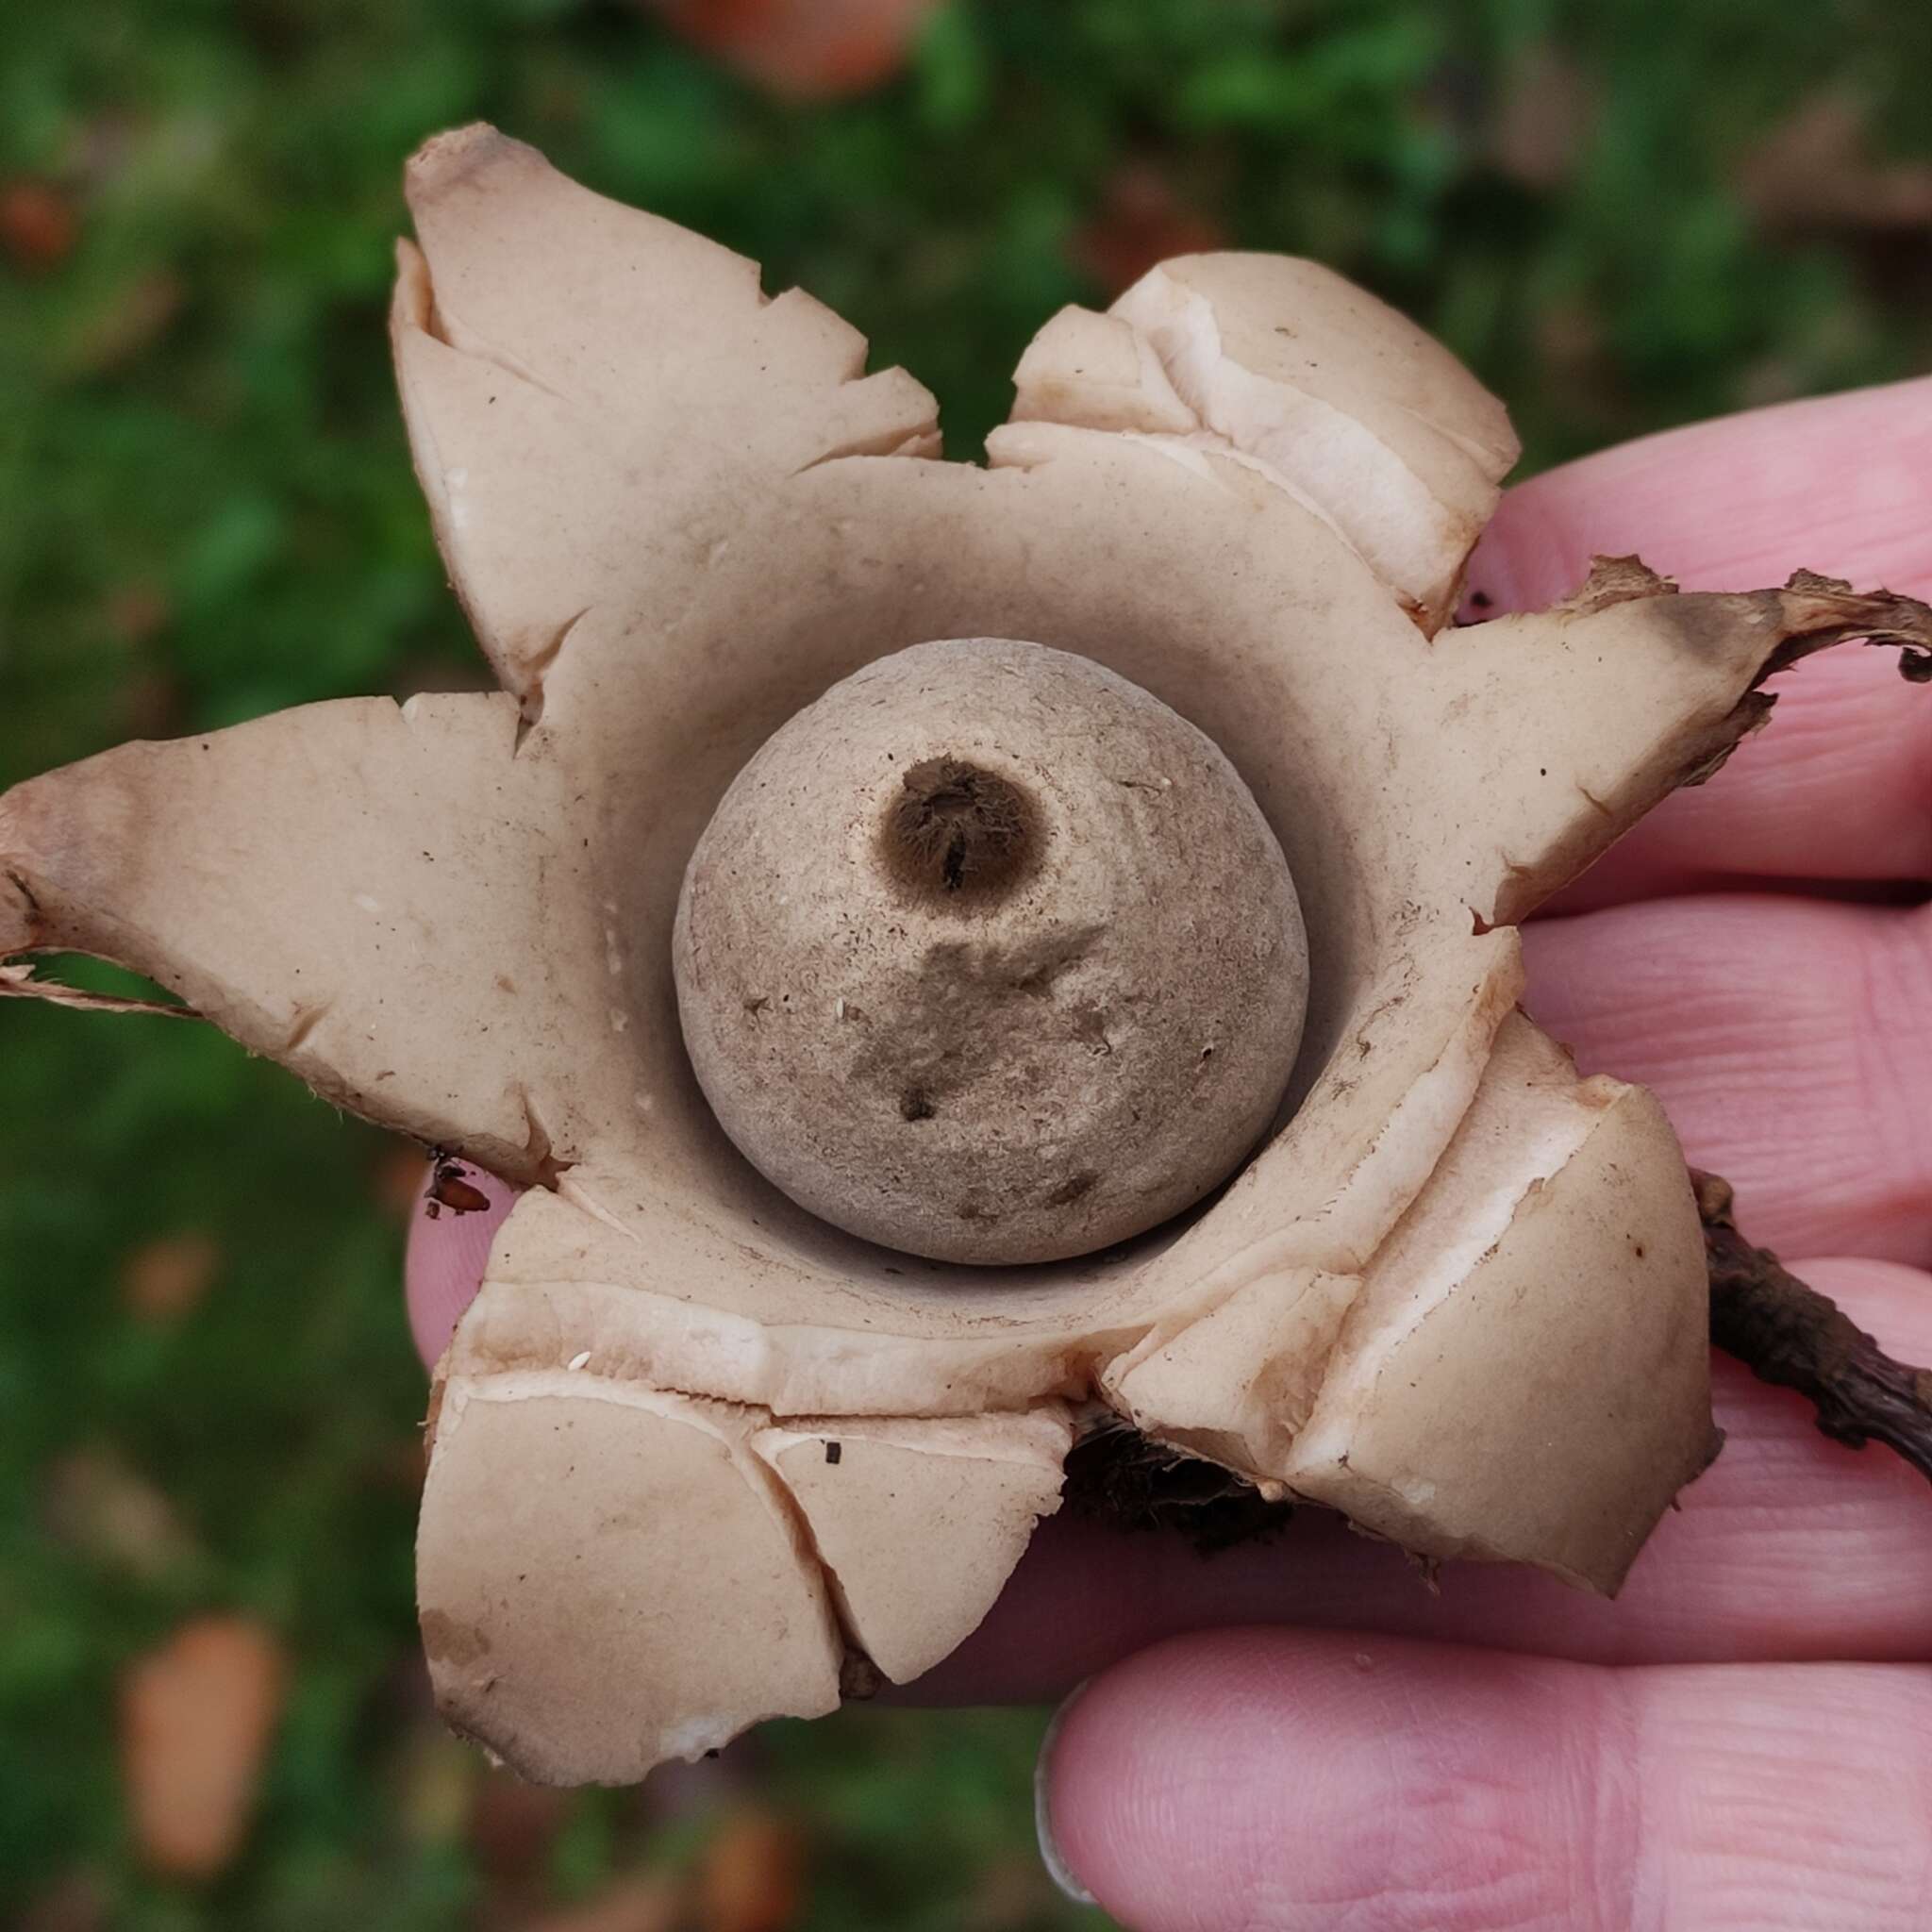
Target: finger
column 1790, row 1041
column 1722, row 504
column 1791, row 1546
column 1840, row 786
column 443, row 1267
column 1278, row 1780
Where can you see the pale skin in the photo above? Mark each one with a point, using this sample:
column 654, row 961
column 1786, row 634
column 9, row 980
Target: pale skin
column 1298, row 1735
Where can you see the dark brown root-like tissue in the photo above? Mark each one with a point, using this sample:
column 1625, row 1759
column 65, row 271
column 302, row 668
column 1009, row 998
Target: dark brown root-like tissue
column 1787, row 1334
column 1120, row 1477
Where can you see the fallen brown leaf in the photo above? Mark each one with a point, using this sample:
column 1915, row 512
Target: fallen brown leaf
column 197, row 1716
column 808, row 49
column 165, row 1279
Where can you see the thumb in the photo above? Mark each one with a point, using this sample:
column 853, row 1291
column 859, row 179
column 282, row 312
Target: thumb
column 1282, row 1780
column 447, row 1251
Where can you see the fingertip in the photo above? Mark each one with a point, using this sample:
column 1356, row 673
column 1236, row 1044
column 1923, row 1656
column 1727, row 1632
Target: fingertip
column 445, row 1259
column 1063, row 1874
column 1217, row 1776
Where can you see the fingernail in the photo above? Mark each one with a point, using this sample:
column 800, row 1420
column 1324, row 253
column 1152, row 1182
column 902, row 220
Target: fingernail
column 1050, row 1856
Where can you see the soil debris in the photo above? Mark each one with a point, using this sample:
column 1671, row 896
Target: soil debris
column 1122, row 1478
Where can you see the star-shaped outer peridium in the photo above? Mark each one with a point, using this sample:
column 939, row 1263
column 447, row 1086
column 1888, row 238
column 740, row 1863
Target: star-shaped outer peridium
column 695, row 1454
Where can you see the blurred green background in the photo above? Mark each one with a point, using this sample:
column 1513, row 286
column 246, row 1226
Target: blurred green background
column 1625, row 215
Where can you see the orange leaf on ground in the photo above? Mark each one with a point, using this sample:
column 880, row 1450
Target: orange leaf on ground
column 197, row 1716
column 752, row 1876
column 808, row 49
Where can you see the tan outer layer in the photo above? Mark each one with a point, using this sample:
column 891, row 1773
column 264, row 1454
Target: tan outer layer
column 918, row 1524
column 1349, row 407
column 636, row 468
column 608, row 1577
column 659, row 1574
column 376, row 895
column 583, row 335
column 1535, row 1323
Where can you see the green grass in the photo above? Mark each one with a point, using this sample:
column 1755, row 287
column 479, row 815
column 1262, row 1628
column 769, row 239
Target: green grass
column 206, row 512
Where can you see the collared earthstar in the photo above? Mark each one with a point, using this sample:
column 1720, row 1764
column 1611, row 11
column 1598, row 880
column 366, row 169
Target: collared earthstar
column 698, row 1456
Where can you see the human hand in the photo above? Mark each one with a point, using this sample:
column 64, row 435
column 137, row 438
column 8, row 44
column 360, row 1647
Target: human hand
column 1744, row 1739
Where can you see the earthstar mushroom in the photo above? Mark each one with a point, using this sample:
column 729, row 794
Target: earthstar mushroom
column 697, row 1456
